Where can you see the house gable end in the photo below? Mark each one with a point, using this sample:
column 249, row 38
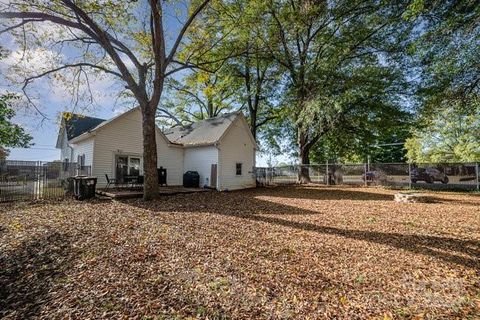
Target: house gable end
column 244, row 123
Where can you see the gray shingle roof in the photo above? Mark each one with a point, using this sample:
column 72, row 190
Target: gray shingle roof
column 202, row 132
column 78, row 124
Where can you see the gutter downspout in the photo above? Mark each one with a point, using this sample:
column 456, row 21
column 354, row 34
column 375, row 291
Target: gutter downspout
column 71, row 154
column 219, row 166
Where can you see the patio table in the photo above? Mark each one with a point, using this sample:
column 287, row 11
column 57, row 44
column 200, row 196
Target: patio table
column 133, row 181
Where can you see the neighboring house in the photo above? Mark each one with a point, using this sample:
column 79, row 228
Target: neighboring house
column 220, row 149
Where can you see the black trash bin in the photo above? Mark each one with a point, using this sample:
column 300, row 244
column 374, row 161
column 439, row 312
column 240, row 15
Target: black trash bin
column 84, row 187
column 162, row 176
column 69, row 187
column 191, row 179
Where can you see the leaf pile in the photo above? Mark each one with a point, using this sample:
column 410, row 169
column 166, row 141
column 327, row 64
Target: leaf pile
column 274, row 253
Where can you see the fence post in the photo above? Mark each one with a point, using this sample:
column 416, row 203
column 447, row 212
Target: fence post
column 410, row 176
column 327, row 174
column 478, row 176
column 365, row 173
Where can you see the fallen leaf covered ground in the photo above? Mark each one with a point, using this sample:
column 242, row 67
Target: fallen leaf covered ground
column 270, row 253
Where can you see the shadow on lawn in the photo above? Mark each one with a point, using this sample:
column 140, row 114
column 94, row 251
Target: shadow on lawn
column 469, row 250
column 245, row 205
column 321, row 193
column 28, row 273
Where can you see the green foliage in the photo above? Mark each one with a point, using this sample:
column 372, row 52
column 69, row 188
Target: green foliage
column 366, row 134
column 342, row 68
column 242, row 76
column 201, row 95
column 11, row 135
column 446, row 48
column 448, row 136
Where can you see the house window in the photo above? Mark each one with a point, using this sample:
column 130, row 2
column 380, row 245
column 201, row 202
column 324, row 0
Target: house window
column 238, row 169
column 81, row 160
column 127, row 166
column 134, row 166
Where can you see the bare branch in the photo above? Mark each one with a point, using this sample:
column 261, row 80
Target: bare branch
column 25, row 21
column 184, row 29
column 75, row 65
column 104, row 40
column 169, row 115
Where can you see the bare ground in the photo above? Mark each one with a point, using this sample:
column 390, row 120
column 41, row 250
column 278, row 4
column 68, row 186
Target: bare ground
column 277, row 253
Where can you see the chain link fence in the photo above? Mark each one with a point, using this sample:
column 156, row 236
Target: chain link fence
column 35, row 180
column 453, row 176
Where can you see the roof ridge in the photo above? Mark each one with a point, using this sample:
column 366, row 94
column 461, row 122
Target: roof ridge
column 77, row 115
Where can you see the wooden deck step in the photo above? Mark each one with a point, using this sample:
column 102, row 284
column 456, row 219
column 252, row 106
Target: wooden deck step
column 131, row 194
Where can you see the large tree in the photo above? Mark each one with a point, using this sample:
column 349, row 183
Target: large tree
column 446, row 49
column 375, row 131
column 246, row 81
column 323, row 47
column 259, row 76
column 127, row 40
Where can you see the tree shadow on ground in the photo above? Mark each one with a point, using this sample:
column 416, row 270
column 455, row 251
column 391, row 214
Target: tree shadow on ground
column 247, row 206
column 436, row 199
column 322, row 193
column 462, row 252
column 28, row 272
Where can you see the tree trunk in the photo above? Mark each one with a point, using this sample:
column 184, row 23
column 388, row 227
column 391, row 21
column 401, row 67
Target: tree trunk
column 150, row 186
column 253, row 123
column 304, row 158
column 210, row 110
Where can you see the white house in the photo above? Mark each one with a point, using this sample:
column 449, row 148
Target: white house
column 221, row 149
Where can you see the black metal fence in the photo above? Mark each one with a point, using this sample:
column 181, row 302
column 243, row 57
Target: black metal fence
column 34, row 180
column 458, row 176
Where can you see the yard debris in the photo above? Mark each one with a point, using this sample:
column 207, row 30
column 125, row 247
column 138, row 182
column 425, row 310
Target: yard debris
column 269, row 253
column 411, row 197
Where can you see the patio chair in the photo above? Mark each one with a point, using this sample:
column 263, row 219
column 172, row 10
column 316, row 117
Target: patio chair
column 110, row 182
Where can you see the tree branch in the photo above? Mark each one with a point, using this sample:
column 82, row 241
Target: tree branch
column 75, row 65
column 24, row 21
column 184, row 30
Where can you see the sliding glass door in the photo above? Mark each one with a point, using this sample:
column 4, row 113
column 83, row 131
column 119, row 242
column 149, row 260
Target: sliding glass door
column 134, row 166
column 127, row 166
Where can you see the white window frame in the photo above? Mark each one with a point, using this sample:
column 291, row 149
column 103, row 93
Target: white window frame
column 128, row 163
column 140, row 171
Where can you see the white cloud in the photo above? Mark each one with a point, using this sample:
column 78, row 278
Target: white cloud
column 60, row 86
column 20, row 64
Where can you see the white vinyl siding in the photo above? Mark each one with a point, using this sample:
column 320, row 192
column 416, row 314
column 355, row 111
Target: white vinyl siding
column 124, row 136
column 84, row 148
column 65, row 151
column 236, row 147
column 171, row 158
column 200, row 159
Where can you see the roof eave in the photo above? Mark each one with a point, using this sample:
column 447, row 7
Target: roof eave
column 204, row 144
column 81, row 137
column 61, row 133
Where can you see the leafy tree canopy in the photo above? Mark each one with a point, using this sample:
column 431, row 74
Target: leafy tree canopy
column 11, row 135
column 446, row 48
column 449, row 136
